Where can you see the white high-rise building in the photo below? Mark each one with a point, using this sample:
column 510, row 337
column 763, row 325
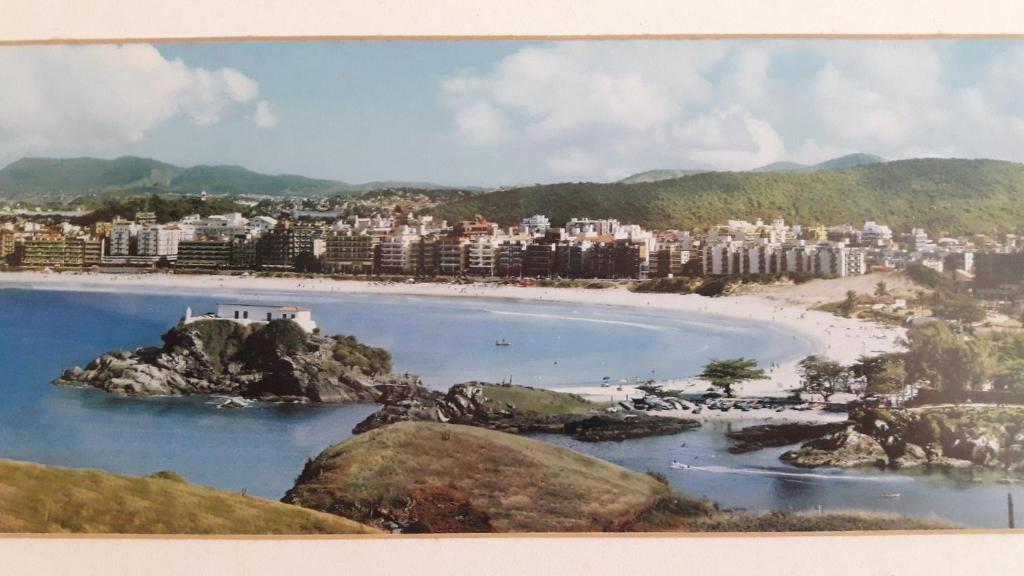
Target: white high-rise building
column 162, row 240
column 536, row 224
column 121, row 236
column 876, row 235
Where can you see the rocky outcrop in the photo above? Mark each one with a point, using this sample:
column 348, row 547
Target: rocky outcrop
column 948, row 438
column 844, row 449
column 223, row 357
column 767, row 435
column 468, row 404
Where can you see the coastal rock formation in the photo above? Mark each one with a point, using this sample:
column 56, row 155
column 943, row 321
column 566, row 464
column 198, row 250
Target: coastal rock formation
column 276, row 361
column 844, row 449
column 760, row 436
column 469, row 404
column 983, row 437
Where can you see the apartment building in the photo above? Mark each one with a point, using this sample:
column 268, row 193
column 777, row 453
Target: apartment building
column 351, row 252
column 61, row 252
column 206, row 253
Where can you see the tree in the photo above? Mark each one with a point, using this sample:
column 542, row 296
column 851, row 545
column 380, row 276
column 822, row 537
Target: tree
column 959, row 307
column 725, row 374
column 823, row 376
column 882, row 374
column 881, row 290
column 1009, row 376
column 848, row 305
column 946, row 359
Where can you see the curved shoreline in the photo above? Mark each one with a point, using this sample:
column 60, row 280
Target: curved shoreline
column 842, row 339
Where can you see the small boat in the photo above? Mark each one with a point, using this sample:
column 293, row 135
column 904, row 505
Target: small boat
column 502, row 342
column 236, row 403
column 891, row 495
column 675, row 465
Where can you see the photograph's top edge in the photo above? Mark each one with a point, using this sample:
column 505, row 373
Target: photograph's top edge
column 499, row 38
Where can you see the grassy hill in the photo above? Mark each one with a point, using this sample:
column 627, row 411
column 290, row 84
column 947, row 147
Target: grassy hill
column 962, row 196
column 36, row 498
column 430, row 477
column 537, row 401
column 518, row 484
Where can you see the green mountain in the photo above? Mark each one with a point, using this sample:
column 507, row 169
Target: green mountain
column 840, row 163
column 236, row 179
column 849, row 161
column 74, row 176
column 657, row 175
column 67, row 178
column 784, row 167
column 939, row 194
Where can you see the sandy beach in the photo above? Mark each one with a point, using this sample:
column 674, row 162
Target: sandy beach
column 841, row 339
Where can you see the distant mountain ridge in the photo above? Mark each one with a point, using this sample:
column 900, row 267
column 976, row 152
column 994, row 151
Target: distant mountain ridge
column 64, row 178
column 840, row 163
column 956, row 195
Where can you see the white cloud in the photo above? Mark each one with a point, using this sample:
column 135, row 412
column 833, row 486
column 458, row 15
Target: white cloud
column 605, row 107
column 95, row 99
column 730, row 140
column 264, row 117
column 482, row 123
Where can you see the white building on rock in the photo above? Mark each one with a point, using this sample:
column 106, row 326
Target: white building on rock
column 246, row 314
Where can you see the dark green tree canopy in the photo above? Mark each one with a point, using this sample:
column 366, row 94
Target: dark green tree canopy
column 725, row 374
column 819, row 375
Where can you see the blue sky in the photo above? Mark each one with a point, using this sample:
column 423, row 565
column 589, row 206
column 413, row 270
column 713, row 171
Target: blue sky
column 501, row 113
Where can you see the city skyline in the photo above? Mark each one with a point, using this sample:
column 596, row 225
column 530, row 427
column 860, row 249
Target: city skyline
column 507, row 113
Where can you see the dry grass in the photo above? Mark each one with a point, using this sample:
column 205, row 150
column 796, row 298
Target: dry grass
column 37, row 498
column 522, row 484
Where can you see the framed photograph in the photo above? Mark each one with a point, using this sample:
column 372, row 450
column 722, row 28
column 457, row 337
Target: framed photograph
column 509, row 293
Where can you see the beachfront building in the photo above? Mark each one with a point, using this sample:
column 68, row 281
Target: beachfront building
column 222, row 226
column 511, row 254
column 279, row 247
column 396, row 250
column 482, row 254
column 59, row 252
column 727, row 257
column 451, row 255
column 205, row 253
column 7, row 243
column 161, row 241
column 123, row 235
column 246, row 314
column 351, row 252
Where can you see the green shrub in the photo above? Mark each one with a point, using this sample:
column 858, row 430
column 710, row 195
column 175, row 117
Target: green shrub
column 168, row 475
column 351, row 353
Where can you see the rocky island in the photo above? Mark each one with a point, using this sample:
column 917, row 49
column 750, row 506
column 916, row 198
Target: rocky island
column 277, row 360
column 518, row 410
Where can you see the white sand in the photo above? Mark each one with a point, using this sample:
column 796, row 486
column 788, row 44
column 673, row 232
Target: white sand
column 841, row 339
